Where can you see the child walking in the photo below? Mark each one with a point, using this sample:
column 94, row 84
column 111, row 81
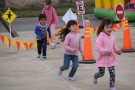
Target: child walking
column 72, row 45
column 106, row 46
column 41, row 31
column 52, row 19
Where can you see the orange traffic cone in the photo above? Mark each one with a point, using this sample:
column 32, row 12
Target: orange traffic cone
column 127, row 46
column 88, row 56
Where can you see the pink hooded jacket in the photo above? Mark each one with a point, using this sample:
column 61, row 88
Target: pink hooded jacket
column 104, row 44
column 73, row 40
column 51, row 16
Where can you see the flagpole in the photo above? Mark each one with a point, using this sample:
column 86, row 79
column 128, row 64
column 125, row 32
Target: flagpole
column 83, row 21
column 83, row 24
column 70, row 14
column 10, row 44
column 9, row 16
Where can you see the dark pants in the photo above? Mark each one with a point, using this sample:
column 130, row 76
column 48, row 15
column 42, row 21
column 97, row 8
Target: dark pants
column 42, row 46
column 102, row 72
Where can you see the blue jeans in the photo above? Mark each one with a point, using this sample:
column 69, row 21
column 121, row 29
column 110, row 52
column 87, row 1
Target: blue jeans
column 74, row 59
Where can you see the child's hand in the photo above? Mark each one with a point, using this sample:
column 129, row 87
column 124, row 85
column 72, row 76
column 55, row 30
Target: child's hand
column 119, row 52
column 82, row 56
column 45, row 33
column 72, row 49
column 43, row 30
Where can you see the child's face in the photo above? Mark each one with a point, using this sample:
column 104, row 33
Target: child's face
column 108, row 29
column 42, row 21
column 46, row 6
column 72, row 28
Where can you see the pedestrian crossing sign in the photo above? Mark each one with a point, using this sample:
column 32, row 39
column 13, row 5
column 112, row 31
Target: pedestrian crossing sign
column 9, row 16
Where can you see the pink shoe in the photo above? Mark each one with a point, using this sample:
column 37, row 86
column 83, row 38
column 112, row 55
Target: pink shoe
column 94, row 80
column 60, row 73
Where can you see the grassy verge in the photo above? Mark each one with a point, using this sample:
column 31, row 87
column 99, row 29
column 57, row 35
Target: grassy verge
column 61, row 10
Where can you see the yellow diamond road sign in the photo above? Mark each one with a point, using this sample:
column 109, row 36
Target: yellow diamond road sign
column 9, row 16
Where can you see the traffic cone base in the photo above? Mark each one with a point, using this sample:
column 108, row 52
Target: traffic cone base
column 128, row 50
column 87, row 61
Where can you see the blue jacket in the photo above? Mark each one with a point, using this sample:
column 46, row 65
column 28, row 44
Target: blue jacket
column 42, row 31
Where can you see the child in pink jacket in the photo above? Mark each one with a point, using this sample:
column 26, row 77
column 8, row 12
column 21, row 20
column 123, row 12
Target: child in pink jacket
column 106, row 46
column 72, row 46
column 52, row 19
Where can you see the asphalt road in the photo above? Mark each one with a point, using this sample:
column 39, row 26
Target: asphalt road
column 28, row 24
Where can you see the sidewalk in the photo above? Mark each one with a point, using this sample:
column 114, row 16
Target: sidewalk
column 23, row 71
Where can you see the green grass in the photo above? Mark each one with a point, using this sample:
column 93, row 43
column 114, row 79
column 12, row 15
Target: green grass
column 61, row 10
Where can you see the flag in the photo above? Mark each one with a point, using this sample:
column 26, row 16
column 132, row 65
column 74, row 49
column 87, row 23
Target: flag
column 69, row 16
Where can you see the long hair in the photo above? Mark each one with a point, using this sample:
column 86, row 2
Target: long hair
column 65, row 31
column 102, row 25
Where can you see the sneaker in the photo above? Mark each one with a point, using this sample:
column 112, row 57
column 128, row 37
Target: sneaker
column 113, row 88
column 94, row 80
column 38, row 56
column 72, row 78
column 44, row 57
column 60, row 73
